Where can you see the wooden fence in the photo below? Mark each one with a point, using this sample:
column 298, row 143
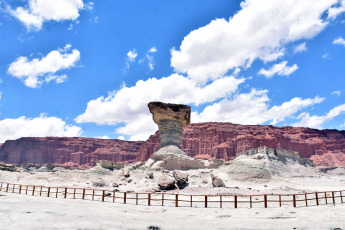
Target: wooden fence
column 179, row 200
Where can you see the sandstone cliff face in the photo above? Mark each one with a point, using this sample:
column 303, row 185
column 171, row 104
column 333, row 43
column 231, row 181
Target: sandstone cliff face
column 75, row 152
column 226, row 140
column 202, row 140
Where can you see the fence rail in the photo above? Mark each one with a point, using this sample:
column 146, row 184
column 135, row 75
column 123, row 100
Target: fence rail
column 179, row 200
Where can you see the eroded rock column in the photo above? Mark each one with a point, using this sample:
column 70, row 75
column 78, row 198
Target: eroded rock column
column 171, row 119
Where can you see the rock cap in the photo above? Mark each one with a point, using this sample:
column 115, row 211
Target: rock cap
column 166, row 111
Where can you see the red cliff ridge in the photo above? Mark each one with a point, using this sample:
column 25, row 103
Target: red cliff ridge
column 201, row 140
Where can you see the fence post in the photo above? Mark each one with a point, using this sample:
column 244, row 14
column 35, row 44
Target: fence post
column 20, row 188
column 7, row 187
column 65, row 193
column 235, row 201
column 33, row 191
column 280, row 200
column 149, row 199
column 333, row 198
column 341, row 197
column 93, row 194
column 57, row 191
column 306, row 199
column 265, row 199
column 83, row 193
column 125, row 198
column 294, row 201
column 103, row 195
column 250, row 201
column 317, row 198
column 191, row 201
column 205, row 201
column 326, row 197
column 74, row 194
column 41, row 191
column 48, row 191
column 1, row 186
column 162, row 199
column 13, row 188
column 26, row 191
column 221, row 201
column 113, row 196
column 136, row 198
column 176, row 200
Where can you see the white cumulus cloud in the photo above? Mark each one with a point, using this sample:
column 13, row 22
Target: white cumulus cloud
column 34, row 72
column 129, row 104
column 316, row 121
column 281, row 69
column 252, row 109
column 42, row 126
column 39, row 11
column 339, row 41
column 260, row 30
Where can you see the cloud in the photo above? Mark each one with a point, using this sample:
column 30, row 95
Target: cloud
column 260, row 30
column 153, row 50
column 39, row 11
column 129, row 104
column 34, row 72
column 281, row 69
column 300, row 48
column 131, row 55
column 103, row 137
column 336, row 10
column 316, row 121
column 339, row 41
column 252, row 109
column 338, row 93
column 42, row 126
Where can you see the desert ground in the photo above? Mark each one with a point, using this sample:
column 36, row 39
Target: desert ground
column 245, row 175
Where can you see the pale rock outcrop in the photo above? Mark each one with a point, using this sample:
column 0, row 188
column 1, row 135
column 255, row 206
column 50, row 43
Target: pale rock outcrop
column 171, row 119
column 172, row 157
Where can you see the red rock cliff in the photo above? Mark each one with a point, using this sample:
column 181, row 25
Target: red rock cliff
column 226, row 140
column 203, row 140
column 68, row 151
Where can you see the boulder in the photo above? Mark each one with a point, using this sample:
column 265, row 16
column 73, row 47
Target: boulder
column 42, row 169
column 180, row 177
column 118, row 165
column 166, row 183
column 125, row 173
column 217, row 182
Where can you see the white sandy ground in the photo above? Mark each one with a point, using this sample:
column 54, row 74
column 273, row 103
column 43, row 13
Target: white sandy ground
column 243, row 177
column 27, row 212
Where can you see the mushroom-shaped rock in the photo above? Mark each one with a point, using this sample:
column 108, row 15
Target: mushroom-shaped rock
column 171, row 119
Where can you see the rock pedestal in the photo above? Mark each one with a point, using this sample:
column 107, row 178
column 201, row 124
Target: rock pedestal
column 171, row 119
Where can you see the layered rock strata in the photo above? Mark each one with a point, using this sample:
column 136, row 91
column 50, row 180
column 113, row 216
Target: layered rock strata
column 171, row 119
column 211, row 140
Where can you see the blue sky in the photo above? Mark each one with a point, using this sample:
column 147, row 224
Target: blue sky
column 89, row 68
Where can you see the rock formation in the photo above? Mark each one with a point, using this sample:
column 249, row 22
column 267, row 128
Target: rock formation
column 210, row 140
column 171, row 119
column 216, row 140
column 68, row 151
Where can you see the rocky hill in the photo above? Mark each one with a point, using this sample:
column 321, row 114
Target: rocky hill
column 201, row 140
